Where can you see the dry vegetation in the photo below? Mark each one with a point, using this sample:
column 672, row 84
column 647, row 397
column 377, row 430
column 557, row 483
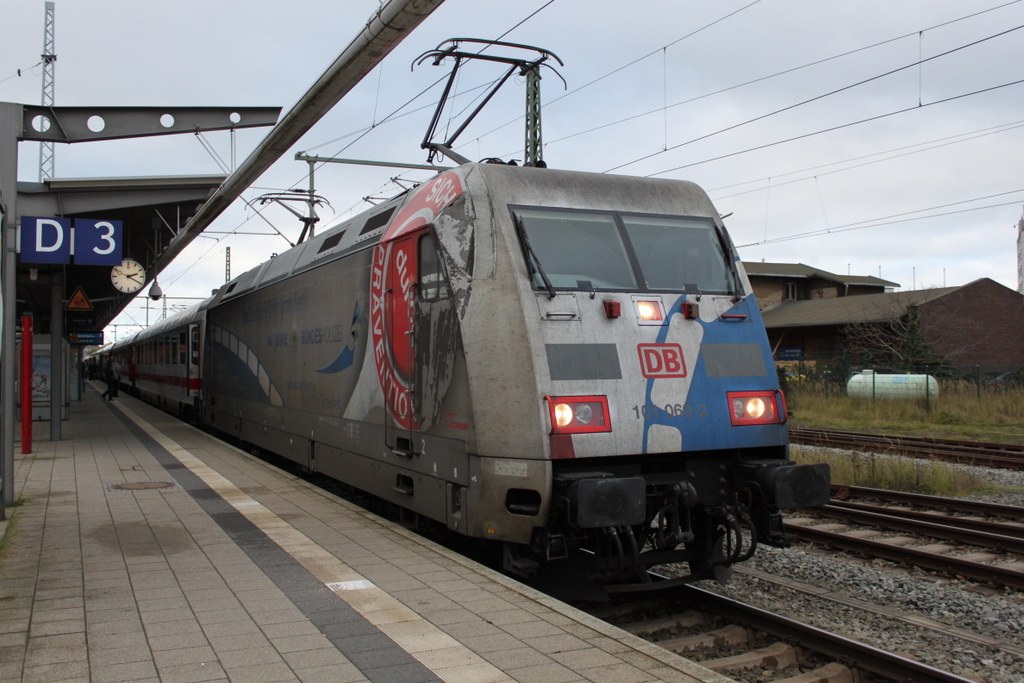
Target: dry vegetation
column 896, row 473
column 958, row 413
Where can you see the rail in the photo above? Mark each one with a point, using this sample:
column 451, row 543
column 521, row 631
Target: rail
column 1006, row 456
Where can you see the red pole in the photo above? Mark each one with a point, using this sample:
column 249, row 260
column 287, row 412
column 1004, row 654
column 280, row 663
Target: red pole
column 26, row 384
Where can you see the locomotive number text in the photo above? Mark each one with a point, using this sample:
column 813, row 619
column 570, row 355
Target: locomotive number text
column 652, row 412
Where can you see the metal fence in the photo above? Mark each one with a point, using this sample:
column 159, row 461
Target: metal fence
column 830, row 377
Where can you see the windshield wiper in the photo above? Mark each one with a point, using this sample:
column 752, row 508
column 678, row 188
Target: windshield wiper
column 532, row 261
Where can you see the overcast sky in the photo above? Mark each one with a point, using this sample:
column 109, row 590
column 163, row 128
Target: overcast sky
column 835, row 133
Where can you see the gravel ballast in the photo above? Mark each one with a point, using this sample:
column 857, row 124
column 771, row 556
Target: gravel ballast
column 953, row 603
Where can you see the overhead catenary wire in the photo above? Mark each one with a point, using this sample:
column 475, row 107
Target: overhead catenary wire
column 738, row 85
column 906, row 150
column 816, row 98
column 359, row 135
column 629, row 64
column 18, row 73
column 396, row 113
column 840, row 126
column 775, row 181
column 885, row 220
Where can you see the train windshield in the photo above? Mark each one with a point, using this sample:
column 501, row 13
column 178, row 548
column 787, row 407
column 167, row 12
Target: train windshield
column 679, row 254
column 587, row 250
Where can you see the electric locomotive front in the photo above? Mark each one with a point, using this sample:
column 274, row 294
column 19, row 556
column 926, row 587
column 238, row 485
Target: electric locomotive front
column 625, row 405
column 570, row 364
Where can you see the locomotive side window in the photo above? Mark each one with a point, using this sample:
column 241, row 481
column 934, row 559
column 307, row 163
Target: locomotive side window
column 431, row 278
column 577, row 250
column 679, row 254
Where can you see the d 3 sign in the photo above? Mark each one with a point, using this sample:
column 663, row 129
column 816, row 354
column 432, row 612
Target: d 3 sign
column 91, row 242
column 45, row 240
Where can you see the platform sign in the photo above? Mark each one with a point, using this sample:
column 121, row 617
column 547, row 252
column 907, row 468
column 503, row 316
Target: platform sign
column 45, row 240
column 78, row 301
column 97, row 242
column 81, row 321
column 91, row 242
column 86, row 338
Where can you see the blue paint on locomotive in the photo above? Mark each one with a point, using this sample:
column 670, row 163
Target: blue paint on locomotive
column 234, row 377
column 342, row 362
column 705, row 423
column 348, row 354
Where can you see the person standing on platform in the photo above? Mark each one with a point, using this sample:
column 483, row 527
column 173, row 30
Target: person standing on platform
column 108, row 377
column 116, row 369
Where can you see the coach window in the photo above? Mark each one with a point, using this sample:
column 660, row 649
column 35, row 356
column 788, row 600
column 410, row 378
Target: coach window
column 183, row 347
column 195, row 346
column 431, row 280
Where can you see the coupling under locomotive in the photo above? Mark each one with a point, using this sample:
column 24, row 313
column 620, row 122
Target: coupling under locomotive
column 571, row 364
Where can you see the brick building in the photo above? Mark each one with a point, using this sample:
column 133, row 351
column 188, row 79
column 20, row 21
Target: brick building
column 775, row 283
column 977, row 324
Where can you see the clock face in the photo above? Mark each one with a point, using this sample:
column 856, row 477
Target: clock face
column 128, row 277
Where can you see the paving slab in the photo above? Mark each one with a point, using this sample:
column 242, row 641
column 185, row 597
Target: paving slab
column 214, row 565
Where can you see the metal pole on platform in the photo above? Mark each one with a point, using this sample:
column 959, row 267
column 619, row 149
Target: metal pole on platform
column 26, row 383
column 57, row 356
column 10, row 129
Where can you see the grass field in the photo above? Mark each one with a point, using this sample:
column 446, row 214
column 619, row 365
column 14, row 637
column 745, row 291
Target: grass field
column 958, row 413
column 994, row 416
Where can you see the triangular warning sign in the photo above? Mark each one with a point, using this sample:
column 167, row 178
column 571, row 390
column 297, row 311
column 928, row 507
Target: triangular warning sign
column 490, row 529
column 78, row 301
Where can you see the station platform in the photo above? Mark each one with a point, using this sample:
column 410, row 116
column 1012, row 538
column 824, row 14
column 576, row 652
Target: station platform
column 142, row 549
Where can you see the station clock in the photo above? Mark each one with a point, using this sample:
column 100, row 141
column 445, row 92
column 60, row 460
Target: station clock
column 128, row 277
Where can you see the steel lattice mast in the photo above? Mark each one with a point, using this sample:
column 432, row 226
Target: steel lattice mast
column 46, row 164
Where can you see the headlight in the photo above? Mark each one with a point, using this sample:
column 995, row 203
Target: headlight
column 756, row 407
column 579, row 414
column 649, row 310
column 563, row 414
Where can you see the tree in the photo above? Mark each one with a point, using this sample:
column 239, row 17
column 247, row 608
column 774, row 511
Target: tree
column 900, row 341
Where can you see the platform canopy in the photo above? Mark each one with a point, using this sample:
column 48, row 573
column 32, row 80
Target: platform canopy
column 152, row 211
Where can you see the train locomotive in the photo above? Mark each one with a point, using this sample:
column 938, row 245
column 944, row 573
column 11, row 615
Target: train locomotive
column 570, row 364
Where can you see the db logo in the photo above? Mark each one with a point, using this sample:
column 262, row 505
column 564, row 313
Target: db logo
column 661, row 360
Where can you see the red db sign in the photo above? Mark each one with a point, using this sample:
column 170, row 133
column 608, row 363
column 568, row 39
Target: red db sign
column 661, row 360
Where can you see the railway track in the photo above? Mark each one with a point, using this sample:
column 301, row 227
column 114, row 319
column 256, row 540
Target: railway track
column 1006, row 456
column 737, row 639
column 919, row 521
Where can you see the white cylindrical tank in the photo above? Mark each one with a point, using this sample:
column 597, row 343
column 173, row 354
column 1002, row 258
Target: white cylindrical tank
column 869, row 384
